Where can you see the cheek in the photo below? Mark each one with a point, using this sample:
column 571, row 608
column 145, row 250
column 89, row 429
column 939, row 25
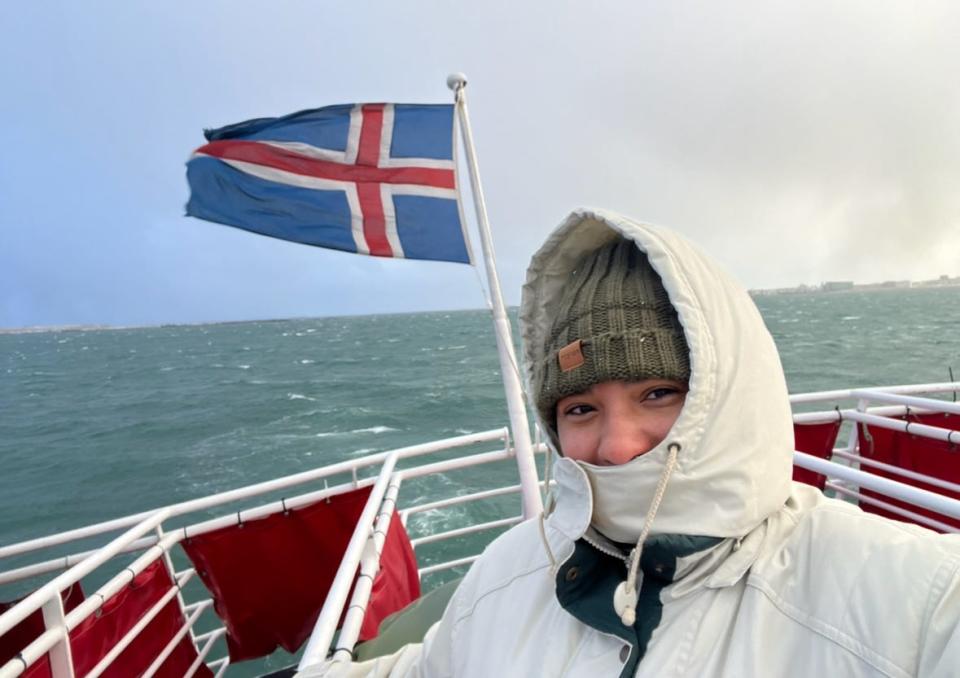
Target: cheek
column 577, row 443
column 660, row 425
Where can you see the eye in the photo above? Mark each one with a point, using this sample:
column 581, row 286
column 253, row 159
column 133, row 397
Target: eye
column 662, row 392
column 577, row 409
column 666, row 394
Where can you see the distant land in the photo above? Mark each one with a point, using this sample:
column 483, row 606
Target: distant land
column 93, row 328
column 58, row 328
column 834, row 286
column 829, row 287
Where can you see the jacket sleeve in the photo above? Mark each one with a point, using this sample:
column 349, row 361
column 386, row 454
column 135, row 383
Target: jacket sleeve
column 940, row 642
column 433, row 658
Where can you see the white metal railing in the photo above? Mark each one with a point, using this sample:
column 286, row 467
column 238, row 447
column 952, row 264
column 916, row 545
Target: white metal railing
column 449, row 565
column 175, row 537
column 141, row 624
column 173, row 642
column 838, row 414
column 897, row 402
column 460, row 499
column 92, row 604
column 265, row 510
column 229, row 496
column 891, row 488
column 847, row 394
column 58, row 625
column 890, row 398
column 469, row 529
column 326, row 624
column 881, row 421
column 208, row 639
column 54, row 641
column 221, row 666
column 896, row 470
column 935, row 432
column 51, row 589
column 332, row 610
column 892, row 508
column 369, row 566
column 247, row 492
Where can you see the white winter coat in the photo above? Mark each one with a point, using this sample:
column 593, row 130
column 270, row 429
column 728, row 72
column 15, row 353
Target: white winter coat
column 799, row 585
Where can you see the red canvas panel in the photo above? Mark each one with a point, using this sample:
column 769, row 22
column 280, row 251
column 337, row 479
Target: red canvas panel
column 269, row 577
column 396, row 584
column 818, row 440
column 915, row 453
column 150, row 643
column 27, row 631
column 97, row 634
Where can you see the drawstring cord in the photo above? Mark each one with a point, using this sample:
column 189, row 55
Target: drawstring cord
column 627, row 592
column 546, row 546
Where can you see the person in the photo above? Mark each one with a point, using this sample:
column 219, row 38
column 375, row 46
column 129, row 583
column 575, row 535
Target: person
column 678, row 544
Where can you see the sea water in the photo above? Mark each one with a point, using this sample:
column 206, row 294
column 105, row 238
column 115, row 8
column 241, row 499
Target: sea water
column 101, row 423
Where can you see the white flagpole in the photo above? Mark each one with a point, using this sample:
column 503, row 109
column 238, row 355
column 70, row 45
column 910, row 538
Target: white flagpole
column 520, row 427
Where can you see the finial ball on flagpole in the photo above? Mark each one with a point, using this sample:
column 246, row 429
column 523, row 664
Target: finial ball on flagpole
column 456, row 80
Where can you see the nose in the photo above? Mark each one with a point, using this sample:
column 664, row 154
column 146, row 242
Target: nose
column 623, row 438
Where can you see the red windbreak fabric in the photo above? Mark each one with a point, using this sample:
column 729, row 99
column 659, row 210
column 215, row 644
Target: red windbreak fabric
column 397, row 584
column 269, row 577
column 97, row 634
column 915, row 453
column 818, row 440
column 24, row 633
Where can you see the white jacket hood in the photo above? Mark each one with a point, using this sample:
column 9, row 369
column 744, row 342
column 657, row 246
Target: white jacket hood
column 735, row 431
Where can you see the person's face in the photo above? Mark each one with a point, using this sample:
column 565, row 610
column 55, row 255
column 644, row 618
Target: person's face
column 615, row 421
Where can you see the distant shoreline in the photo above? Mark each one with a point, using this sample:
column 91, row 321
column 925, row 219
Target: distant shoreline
column 836, row 287
column 39, row 329
column 824, row 288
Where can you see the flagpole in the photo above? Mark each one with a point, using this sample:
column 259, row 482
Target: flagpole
column 516, row 409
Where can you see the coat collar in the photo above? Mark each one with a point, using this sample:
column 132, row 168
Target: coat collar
column 718, row 566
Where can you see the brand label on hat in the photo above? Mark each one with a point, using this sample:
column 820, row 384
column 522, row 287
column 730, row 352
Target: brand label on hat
column 570, row 356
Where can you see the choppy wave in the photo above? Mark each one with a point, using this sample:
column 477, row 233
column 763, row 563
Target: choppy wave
column 376, row 430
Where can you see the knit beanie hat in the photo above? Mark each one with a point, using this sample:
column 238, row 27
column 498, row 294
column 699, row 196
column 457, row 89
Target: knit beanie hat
column 614, row 322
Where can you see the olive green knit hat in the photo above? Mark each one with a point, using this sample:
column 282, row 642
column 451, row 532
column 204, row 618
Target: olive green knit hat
column 614, row 322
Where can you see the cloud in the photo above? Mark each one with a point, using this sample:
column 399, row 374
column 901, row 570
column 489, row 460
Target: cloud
column 796, row 142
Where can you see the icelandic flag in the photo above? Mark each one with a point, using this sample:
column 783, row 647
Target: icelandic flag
column 376, row 179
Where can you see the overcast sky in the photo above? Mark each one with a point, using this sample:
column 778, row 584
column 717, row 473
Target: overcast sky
column 795, row 141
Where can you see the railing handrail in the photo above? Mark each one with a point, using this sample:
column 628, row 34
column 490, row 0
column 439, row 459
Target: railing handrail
column 847, row 394
column 873, row 501
column 882, row 396
column 253, row 513
column 369, row 567
column 824, row 416
column 468, row 529
column 896, row 470
column 929, row 500
column 248, row 491
column 35, row 600
column 48, row 640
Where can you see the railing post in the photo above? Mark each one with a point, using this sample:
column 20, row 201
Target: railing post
column 61, row 657
column 172, row 571
column 853, row 442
